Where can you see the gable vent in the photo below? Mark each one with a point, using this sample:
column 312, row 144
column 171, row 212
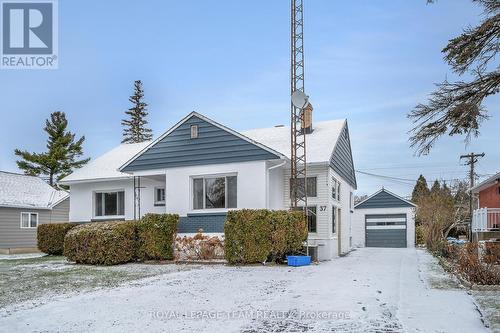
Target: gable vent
column 194, row 131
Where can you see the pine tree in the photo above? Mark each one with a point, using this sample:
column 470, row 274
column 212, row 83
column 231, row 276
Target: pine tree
column 135, row 129
column 420, row 190
column 458, row 108
column 60, row 159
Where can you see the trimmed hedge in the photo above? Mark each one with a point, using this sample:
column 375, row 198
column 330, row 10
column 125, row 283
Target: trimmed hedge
column 247, row 236
column 289, row 232
column 50, row 237
column 102, row 243
column 156, row 233
column 258, row 235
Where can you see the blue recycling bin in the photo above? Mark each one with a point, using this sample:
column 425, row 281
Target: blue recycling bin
column 296, row 261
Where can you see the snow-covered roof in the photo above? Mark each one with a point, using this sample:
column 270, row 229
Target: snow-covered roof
column 320, row 142
column 320, row 145
column 106, row 166
column 486, row 183
column 21, row 191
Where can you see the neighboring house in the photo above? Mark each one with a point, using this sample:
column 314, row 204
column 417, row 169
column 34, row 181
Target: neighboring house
column 25, row 203
column 486, row 219
column 200, row 169
column 384, row 219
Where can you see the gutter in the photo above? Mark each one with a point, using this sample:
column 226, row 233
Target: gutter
column 94, row 180
column 26, row 207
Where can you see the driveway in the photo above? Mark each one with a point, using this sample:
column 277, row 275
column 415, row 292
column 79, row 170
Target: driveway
column 370, row 290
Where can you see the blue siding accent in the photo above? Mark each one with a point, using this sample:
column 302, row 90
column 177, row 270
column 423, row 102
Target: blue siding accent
column 214, row 145
column 211, row 222
column 341, row 160
column 383, row 200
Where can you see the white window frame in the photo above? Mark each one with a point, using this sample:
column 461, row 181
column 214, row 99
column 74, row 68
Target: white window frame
column 213, row 210
column 159, row 202
column 334, row 218
column 337, row 186
column 194, row 131
column 308, row 177
column 29, row 220
column 316, row 215
column 107, row 217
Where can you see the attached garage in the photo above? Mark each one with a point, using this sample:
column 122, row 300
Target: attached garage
column 384, row 219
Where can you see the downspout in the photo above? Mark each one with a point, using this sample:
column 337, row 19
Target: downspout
column 267, row 180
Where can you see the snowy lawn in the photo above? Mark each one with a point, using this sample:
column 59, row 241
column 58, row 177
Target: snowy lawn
column 370, row 290
column 33, row 281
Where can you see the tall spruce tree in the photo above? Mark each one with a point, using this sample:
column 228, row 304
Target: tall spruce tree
column 135, row 129
column 420, row 190
column 61, row 157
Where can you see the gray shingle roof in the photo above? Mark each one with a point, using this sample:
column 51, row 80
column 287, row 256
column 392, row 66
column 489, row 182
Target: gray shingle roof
column 23, row 191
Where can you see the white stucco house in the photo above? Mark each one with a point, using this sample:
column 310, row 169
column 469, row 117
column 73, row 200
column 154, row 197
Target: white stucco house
column 384, row 219
column 200, row 169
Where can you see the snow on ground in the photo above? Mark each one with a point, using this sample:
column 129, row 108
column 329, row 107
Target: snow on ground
column 21, row 256
column 370, row 290
column 29, row 282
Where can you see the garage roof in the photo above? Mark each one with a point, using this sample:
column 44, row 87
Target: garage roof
column 384, row 199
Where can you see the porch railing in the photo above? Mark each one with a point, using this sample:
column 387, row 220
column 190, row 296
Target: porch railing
column 486, row 219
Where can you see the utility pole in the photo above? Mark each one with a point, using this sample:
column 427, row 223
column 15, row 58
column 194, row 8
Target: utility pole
column 472, row 159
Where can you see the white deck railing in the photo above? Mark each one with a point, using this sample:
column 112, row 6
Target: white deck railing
column 486, row 219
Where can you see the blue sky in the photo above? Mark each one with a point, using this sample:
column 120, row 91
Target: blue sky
column 367, row 61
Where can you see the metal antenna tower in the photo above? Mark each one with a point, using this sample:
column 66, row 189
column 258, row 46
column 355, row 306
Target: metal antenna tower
column 298, row 136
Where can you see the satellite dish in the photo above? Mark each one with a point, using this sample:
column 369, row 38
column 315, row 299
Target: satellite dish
column 299, row 99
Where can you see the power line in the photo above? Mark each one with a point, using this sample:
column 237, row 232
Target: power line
column 405, row 181
column 384, row 176
column 412, row 166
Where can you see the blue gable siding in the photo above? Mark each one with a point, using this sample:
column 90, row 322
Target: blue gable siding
column 341, row 160
column 383, row 200
column 214, row 145
column 192, row 223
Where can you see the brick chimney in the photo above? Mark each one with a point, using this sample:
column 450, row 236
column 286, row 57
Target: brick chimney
column 307, row 119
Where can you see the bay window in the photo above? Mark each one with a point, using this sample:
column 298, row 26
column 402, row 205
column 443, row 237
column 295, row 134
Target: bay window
column 212, row 192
